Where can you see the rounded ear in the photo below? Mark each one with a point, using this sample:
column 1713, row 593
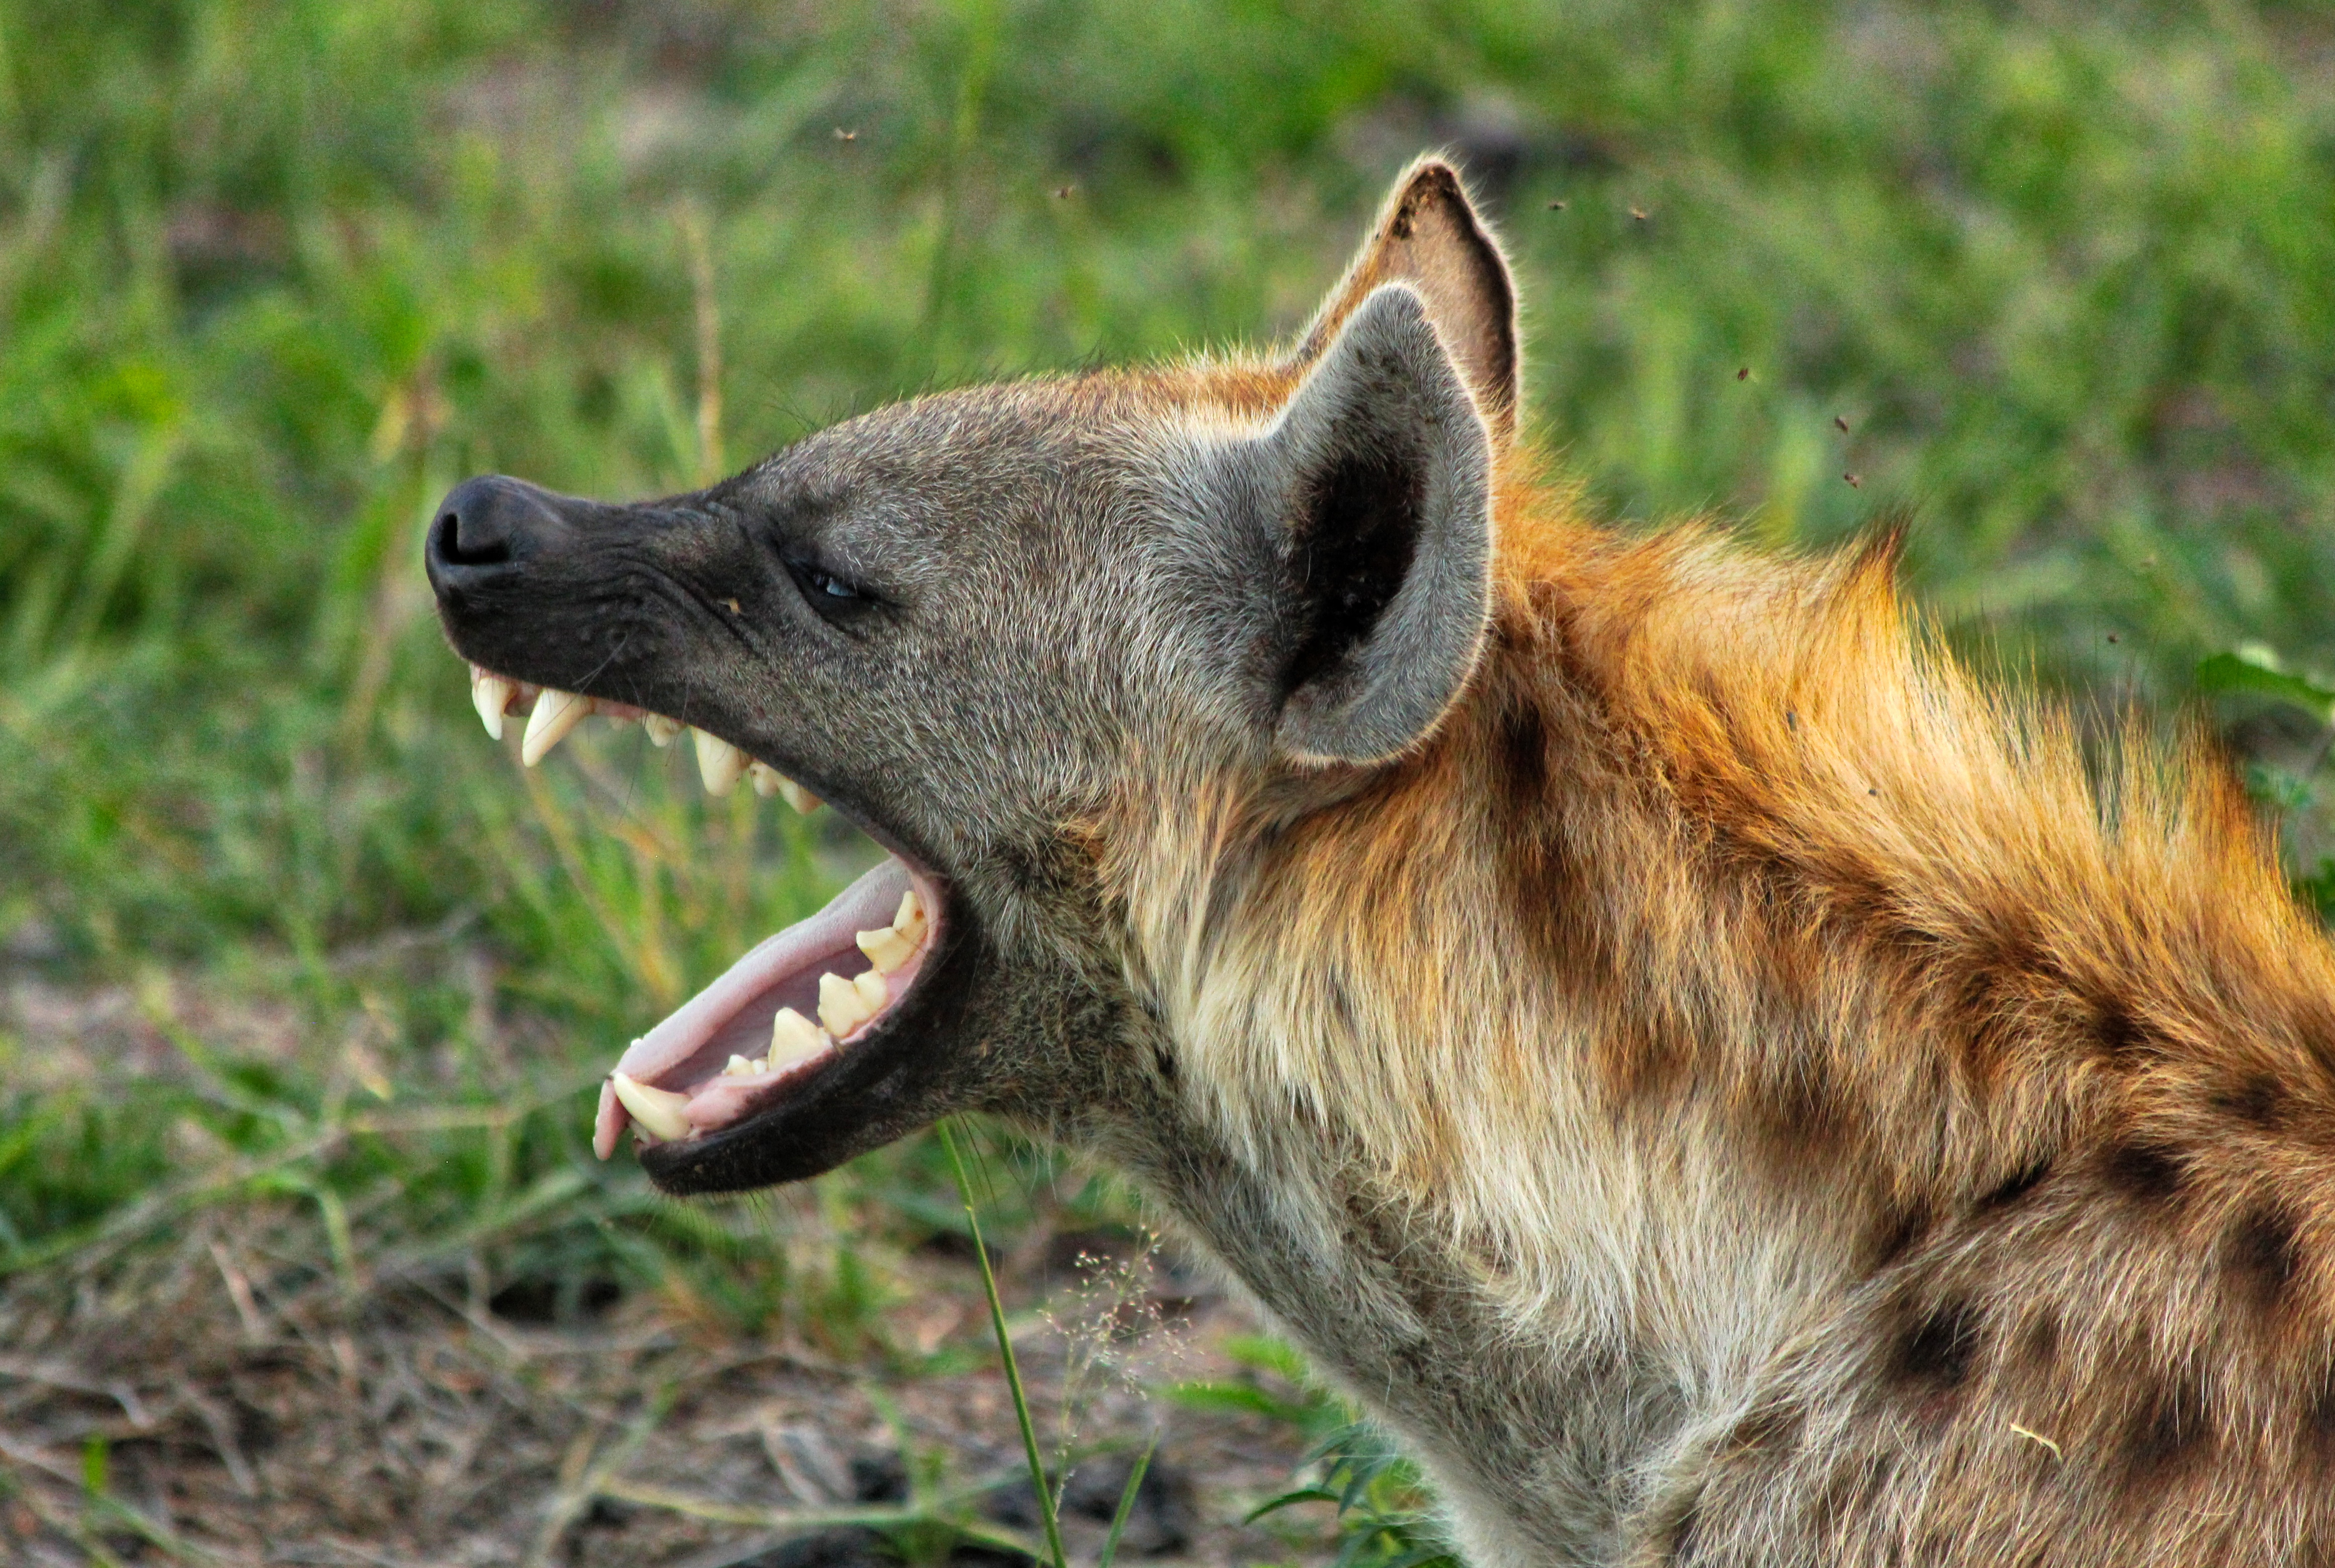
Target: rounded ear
column 1377, row 478
column 1430, row 235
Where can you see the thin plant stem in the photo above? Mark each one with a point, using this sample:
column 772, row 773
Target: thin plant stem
column 1046, row 1511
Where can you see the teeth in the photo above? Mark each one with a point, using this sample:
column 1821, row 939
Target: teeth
column 794, row 1038
column 768, row 781
column 490, row 694
column 656, row 1109
column 841, row 1006
column 555, row 713
column 873, row 992
column 739, row 1067
column 662, row 730
column 910, row 921
column 719, row 763
column 886, row 949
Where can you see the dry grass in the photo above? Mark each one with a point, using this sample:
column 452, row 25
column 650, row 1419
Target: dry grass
column 213, row 1397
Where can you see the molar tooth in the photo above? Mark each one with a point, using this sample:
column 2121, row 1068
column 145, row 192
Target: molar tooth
column 766, row 779
column 802, row 800
column 737, row 1066
column 840, row 1006
column 490, row 694
column 886, row 949
column 873, row 991
column 719, row 763
column 794, row 1038
column 656, row 1109
column 555, row 713
column 662, row 730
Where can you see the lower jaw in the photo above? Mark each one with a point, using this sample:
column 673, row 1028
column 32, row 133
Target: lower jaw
column 732, row 1016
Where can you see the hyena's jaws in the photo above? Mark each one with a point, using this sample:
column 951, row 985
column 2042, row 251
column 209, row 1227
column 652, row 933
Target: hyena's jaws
column 821, row 1026
column 1722, row 1086
column 741, row 1046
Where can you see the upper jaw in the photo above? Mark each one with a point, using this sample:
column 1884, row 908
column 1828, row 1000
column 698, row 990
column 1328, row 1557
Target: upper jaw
column 553, row 714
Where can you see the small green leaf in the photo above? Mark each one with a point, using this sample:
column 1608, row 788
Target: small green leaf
column 1237, row 1399
column 1288, row 1500
column 1267, row 1354
column 2253, row 668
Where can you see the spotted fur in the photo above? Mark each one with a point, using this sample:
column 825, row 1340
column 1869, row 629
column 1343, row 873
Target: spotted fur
column 1743, row 1091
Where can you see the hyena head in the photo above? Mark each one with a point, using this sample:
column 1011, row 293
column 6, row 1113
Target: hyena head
column 978, row 623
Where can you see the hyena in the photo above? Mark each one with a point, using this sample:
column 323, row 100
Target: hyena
column 1722, row 1084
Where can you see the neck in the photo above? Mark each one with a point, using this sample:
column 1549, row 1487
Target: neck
column 1717, row 945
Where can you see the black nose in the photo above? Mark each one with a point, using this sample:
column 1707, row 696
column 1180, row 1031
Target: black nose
column 488, row 526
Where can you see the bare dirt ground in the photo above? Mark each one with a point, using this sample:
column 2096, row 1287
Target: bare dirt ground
column 219, row 1394
column 420, row 1429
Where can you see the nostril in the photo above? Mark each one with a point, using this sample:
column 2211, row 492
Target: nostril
column 467, row 541
column 474, row 527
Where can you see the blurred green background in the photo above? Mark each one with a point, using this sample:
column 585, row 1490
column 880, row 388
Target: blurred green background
column 281, row 926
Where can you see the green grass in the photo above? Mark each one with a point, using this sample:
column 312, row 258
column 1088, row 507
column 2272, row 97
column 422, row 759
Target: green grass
column 272, row 276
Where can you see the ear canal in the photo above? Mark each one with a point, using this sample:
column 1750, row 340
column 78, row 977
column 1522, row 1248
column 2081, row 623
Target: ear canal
column 1428, row 236
column 1379, row 475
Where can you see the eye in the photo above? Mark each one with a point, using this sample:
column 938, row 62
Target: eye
column 830, row 595
column 834, row 587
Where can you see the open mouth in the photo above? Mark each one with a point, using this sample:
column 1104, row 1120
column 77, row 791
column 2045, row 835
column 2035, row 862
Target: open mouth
column 787, row 1014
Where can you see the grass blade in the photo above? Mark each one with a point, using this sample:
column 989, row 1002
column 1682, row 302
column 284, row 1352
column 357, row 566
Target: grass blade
column 1047, row 1512
column 1126, row 1506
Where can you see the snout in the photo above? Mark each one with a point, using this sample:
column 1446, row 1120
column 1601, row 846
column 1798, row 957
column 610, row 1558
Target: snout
column 488, row 529
column 585, row 596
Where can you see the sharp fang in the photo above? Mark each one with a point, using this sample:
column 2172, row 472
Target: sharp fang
column 555, row 713
column 719, row 763
column 794, row 1038
column 886, row 949
column 491, row 695
column 910, row 921
column 662, row 730
column 658, row 1111
column 840, row 1006
column 873, row 991
column 767, row 780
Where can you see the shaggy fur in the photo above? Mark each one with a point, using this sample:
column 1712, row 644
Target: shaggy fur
column 1731, row 996
column 1893, row 1139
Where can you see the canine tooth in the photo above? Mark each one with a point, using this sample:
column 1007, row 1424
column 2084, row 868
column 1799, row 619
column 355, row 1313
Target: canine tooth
column 873, row 991
column 555, row 713
column 840, row 1006
column 660, row 730
column 910, row 922
column 886, row 949
column 794, row 1038
column 657, row 1109
column 719, row 763
column 802, row 800
column 766, row 779
column 490, row 694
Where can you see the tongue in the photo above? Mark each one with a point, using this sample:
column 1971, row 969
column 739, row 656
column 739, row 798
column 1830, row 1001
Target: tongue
column 867, row 904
